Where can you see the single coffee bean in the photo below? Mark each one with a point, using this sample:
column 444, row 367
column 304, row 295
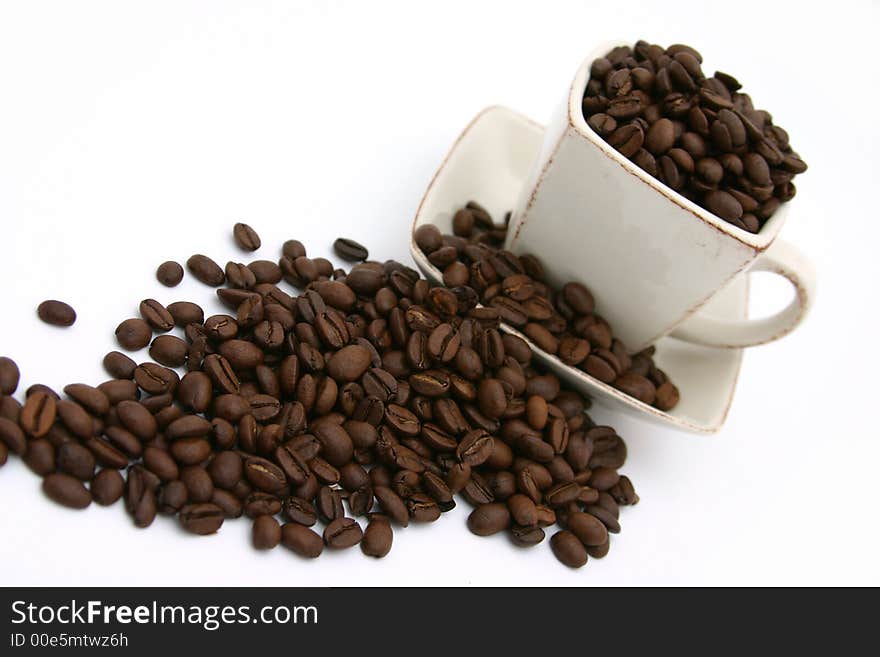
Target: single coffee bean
column 9, row 376
column 265, row 533
column 66, row 490
column 38, row 414
column 246, row 237
column 343, row 533
column 378, row 537
column 76, row 460
column 201, row 519
column 169, row 273
column 56, row 313
column 349, row 250
column 186, row 313
column 119, row 366
column 589, row 530
column 134, row 334
column 488, row 519
column 39, row 456
column 156, row 315
column 526, row 536
column 568, row 549
column 206, row 270
column 302, row 540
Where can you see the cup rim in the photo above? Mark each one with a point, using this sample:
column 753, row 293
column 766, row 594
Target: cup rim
column 760, row 241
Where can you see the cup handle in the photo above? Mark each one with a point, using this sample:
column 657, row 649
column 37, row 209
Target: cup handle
column 780, row 258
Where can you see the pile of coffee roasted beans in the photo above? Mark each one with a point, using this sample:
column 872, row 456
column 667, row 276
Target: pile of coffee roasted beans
column 560, row 322
column 367, row 401
column 699, row 135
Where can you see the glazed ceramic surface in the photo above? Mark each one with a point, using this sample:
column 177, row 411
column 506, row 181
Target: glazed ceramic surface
column 490, row 163
column 651, row 258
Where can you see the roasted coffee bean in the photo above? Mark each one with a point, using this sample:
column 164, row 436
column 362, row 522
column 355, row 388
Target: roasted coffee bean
column 221, row 373
column 186, row 313
column 526, row 536
column 475, row 447
column 568, row 549
column 349, row 250
column 206, row 270
column 134, row 334
column 156, row 315
column 9, row 376
column 39, row 456
column 202, row 519
column 265, row 533
column 119, row 366
column 76, row 460
column 378, row 537
column 66, row 490
column 75, row 418
column 199, row 485
column 343, row 533
column 488, row 519
column 169, row 273
column 263, row 474
column 246, row 237
column 266, row 271
column 302, row 540
column 56, row 313
column 38, row 414
column 107, row 487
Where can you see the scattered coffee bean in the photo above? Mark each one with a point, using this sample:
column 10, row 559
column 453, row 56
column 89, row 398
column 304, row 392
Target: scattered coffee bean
column 56, row 313
column 246, row 237
column 66, row 490
column 169, row 273
column 349, row 250
column 266, row 533
column 206, row 270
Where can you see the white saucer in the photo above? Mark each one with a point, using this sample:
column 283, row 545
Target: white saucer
column 489, row 163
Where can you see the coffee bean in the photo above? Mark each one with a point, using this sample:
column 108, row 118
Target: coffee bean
column 38, row 414
column 169, row 273
column 202, row 519
column 378, row 537
column 76, row 460
column 9, row 376
column 489, row 519
column 156, row 315
column 66, row 490
column 349, row 250
column 39, row 456
column 134, row 334
column 526, row 536
column 266, row 533
column 342, row 533
column 137, row 419
column 56, row 313
column 568, row 549
column 206, row 270
column 302, row 540
column 246, row 237
column 186, row 313
column 475, row 447
column 107, row 487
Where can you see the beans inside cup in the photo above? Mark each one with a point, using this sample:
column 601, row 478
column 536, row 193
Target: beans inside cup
column 700, row 135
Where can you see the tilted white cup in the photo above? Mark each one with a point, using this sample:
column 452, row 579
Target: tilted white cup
column 651, row 257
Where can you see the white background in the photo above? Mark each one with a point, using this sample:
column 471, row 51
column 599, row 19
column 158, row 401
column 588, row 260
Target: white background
column 131, row 133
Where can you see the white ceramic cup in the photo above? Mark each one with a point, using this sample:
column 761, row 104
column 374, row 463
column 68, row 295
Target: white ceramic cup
column 651, row 257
